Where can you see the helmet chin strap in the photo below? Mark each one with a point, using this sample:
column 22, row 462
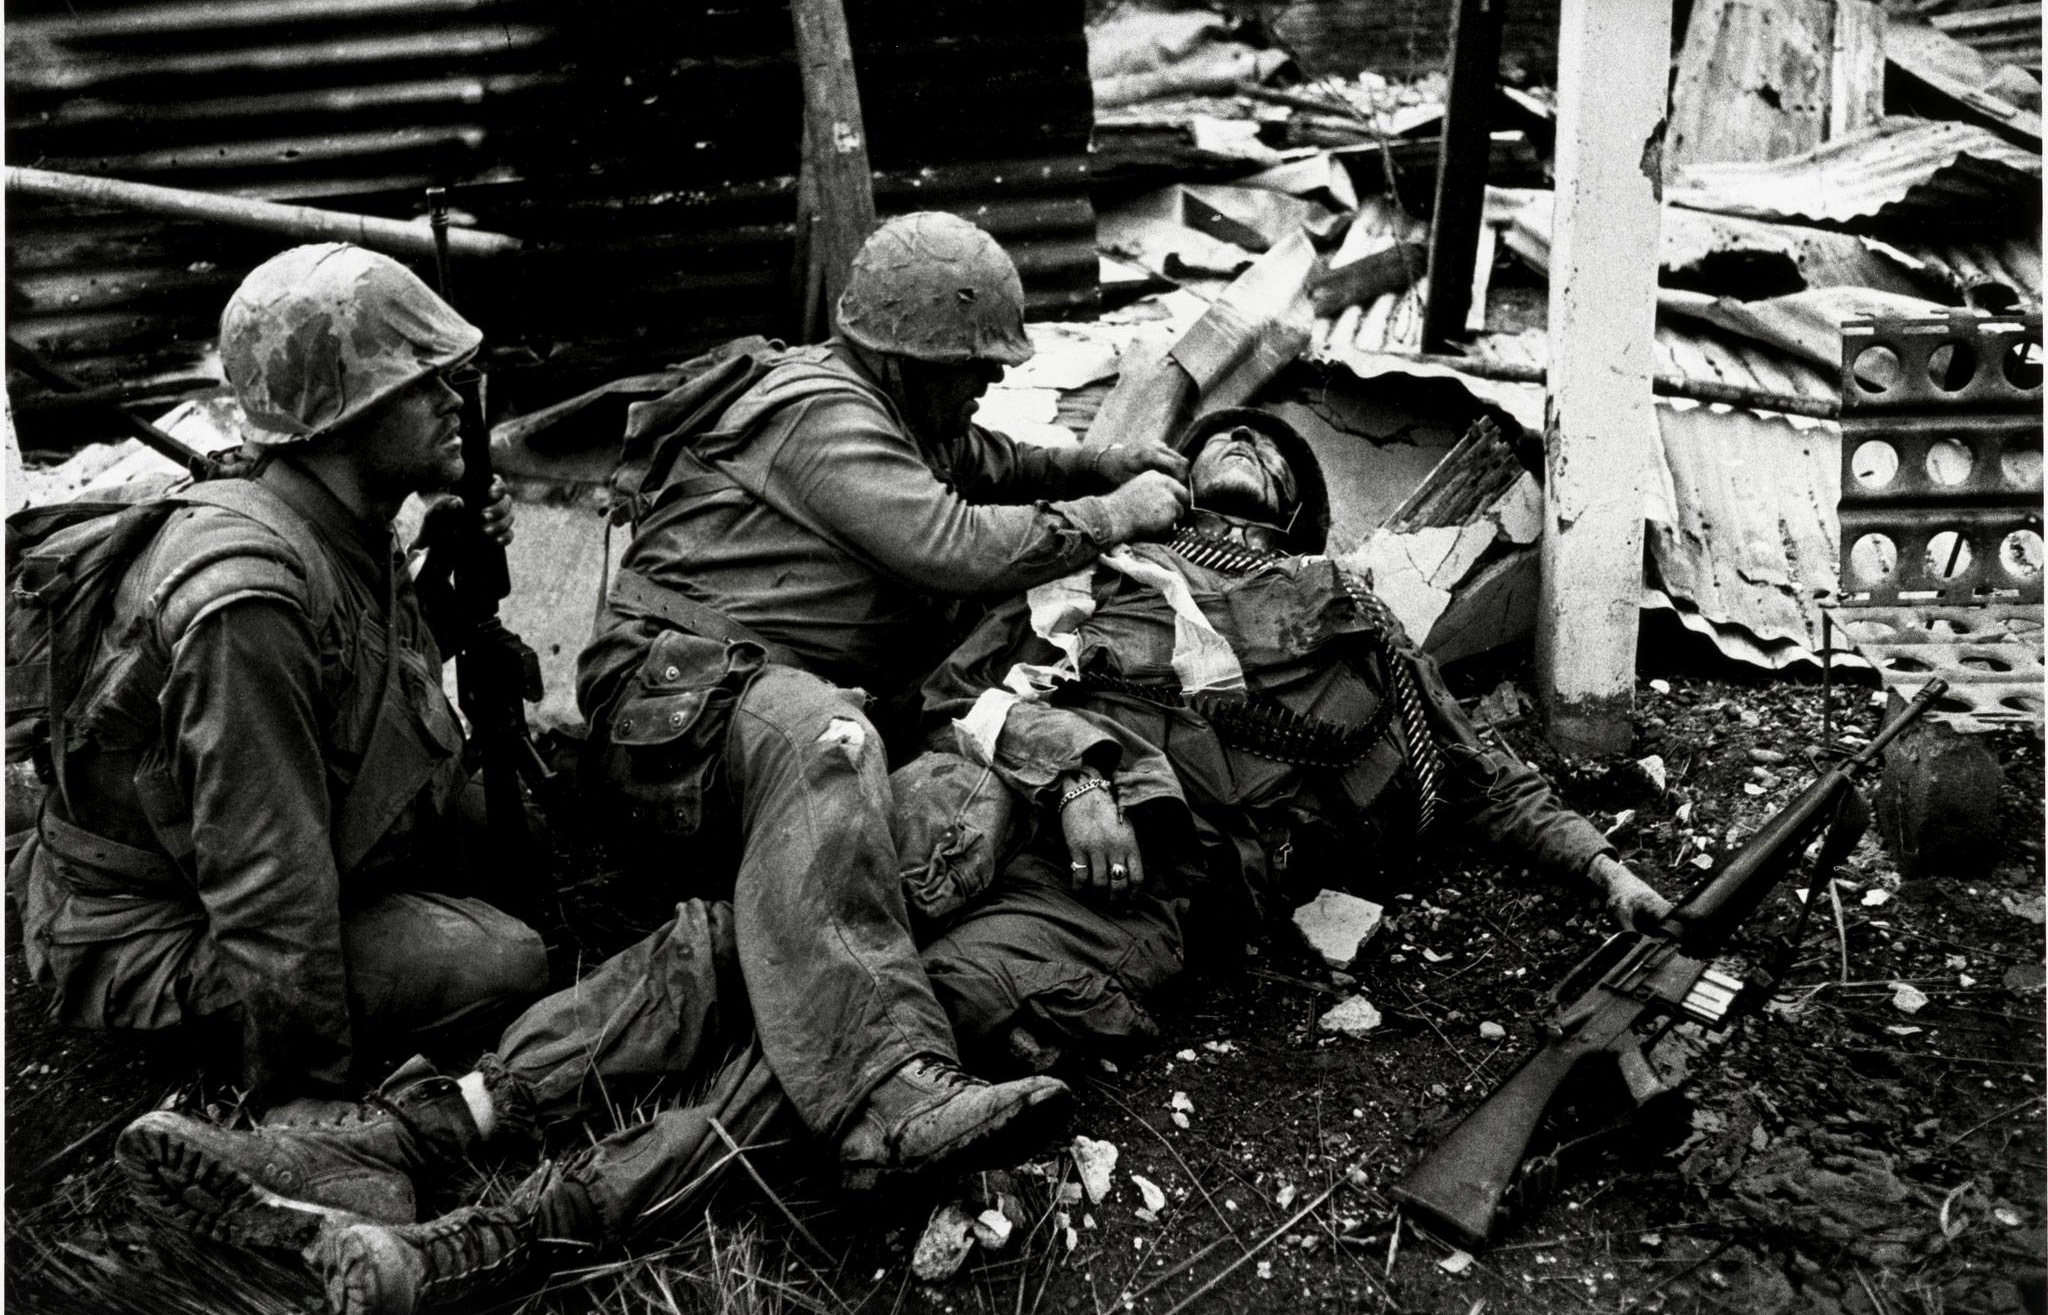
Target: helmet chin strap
column 1262, row 535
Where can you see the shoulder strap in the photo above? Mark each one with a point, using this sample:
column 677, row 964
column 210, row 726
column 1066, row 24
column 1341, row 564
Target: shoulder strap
column 249, row 498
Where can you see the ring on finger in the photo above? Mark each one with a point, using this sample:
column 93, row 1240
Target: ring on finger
column 1118, row 870
column 1078, row 867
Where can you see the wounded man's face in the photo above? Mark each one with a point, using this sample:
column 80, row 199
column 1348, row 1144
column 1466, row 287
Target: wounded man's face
column 1241, row 473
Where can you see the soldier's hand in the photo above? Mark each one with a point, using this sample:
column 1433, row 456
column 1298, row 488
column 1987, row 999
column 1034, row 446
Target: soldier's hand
column 496, row 517
column 443, row 519
column 1119, row 463
column 1147, row 506
column 1631, row 902
column 1102, row 847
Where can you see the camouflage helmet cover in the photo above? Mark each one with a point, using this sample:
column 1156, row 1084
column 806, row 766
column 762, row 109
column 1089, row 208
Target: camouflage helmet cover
column 934, row 287
column 319, row 334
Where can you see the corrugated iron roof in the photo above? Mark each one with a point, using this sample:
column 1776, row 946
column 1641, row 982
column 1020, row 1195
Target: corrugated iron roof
column 644, row 153
column 2011, row 262
column 2011, row 33
column 1741, row 532
column 1899, row 172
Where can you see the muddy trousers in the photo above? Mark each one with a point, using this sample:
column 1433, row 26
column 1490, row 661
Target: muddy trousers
column 810, row 975
column 423, row 967
column 672, row 1006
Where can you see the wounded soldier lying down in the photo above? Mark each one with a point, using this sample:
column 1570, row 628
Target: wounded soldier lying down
column 1167, row 744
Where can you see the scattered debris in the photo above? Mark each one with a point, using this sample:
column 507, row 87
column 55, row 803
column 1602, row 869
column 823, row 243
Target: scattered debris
column 1154, row 1196
column 1492, row 1031
column 1094, row 1161
column 1336, row 926
column 1908, row 998
column 945, row 1244
column 992, row 1229
column 1353, row 1017
column 1455, row 1263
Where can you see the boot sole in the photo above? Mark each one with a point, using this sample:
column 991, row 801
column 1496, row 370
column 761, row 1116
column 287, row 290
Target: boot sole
column 186, row 1184
column 989, row 1147
column 348, row 1271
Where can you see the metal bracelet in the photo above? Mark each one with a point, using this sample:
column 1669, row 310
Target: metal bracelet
column 1092, row 783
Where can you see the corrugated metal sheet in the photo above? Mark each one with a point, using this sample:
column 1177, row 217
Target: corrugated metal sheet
column 647, row 155
column 2013, row 263
column 1728, row 254
column 1741, row 531
column 2011, row 33
column 1898, row 174
column 1400, row 38
column 1740, row 504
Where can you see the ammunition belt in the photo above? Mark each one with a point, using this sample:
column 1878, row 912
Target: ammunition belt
column 1263, row 728
column 1425, row 755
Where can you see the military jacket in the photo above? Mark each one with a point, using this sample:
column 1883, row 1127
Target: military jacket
column 260, row 736
column 812, row 517
column 1225, row 813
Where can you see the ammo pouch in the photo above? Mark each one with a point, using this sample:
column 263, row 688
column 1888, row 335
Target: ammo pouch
column 661, row 748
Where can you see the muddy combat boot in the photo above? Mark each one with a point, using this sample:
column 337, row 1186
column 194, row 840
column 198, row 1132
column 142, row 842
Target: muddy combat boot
column 273, row 1186
column 394, row 1269
column 929, row 1116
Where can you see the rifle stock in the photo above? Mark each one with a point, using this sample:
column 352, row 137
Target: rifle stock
column 1638, row 978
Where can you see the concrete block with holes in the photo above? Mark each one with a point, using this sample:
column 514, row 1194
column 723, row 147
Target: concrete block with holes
column 1941, row 561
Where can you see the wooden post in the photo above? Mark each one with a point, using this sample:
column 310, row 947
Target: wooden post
column 1462, row 157
column 835, row 190
column 1599, row 417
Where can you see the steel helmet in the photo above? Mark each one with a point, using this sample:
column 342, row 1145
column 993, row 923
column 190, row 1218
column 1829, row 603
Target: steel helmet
column 319, row 334
column 934, row 287
column 1310, row 533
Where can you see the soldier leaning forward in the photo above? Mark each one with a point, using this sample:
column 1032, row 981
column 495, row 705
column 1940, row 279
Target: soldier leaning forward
column 260, row 762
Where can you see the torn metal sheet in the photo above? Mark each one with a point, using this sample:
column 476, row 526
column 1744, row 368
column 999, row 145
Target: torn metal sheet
column 1152, row 232
column 1983, row 274
column 1319, row 178
column 1702, row 249
column 1475, row 504
column 1741, row 534
column 2011, row 33
column 1805, row 324
column 1764, row 81
column 1962, row 75
column 1941, row 508
column 1254, row 218
column 1899, row 171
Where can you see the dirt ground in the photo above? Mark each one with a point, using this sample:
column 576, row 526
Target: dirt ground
column 1871, row 1143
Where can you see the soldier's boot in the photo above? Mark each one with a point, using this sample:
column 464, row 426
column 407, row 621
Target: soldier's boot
column 273, row 1186
column 393, row 1269
column 930, row 1117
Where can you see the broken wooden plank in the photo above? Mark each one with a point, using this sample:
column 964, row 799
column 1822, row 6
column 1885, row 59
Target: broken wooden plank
column 835, row 188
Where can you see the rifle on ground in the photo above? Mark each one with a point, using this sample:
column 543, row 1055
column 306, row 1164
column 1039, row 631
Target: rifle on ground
column 496, row 672
column 1617, row 1003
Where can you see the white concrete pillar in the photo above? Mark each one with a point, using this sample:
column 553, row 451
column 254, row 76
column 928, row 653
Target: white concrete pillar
column 1613, row 57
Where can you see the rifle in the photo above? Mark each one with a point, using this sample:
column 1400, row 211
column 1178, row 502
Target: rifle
column 496, row 672
column 1626, row 994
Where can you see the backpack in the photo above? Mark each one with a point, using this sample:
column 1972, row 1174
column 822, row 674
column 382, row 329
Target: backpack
column 65, row 563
